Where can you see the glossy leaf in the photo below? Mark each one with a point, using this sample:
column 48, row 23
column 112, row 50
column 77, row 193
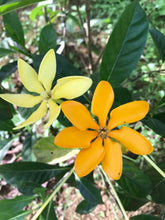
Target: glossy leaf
column 48, row 38
column 7, row 70
column 4, row 147
column 14, row 28
column 46, row 151
column 28, row 175
column 122, row 96
column 13, row 208
column 6, row 125
column 88, row 190
column 135, row 181
column 49, row 212
column 15, row 4
column 6, row 110
column 158, row 190
column 29, row 141
column 125, row 45
column 4, row 52
column 156, row 123
column 131, row 203
column 159, row 41
column 85, row 207
column 145, row 217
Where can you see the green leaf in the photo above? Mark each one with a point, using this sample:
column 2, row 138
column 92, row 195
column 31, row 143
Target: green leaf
column 48, row 38
column 145, row 217
column 46, row 151
column 125, row 45
column 85, row 207
column 135, row 181
column 156, row 123
column 4, row 52
column 14, row 28
column 7, row 70
column 28, row 175
column 15, row 4
column 11, row 209
column 7, row 125
column 4, row 147
column 158, row 182
column 131, row 203
column 29, row 141
column 159, row 41
column 6, row 110
column 122, row 96
column 49, row 212
column 88, row 190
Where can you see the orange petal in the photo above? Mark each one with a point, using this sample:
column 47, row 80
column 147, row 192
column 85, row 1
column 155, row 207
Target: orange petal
column 132, row 140
column 79, row 115
column 128, row 113
column 102, row 101
column 72, row 137
column 112, row 161
column 89, row 158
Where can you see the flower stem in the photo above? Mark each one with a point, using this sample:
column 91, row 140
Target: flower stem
column 154, row 166
column 57, row 188
column 116, row 196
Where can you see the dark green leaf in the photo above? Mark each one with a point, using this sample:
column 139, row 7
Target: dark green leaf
column 122, row 96
column 14, row 28
column 6, row 110
column 125, row 45
column 158, row 182
column 13, row 208
column 145, row 217
column 48, row 38
column 131, row 203
column 135, row 181
column 4, row 52
column 15, row 4
column 156, row 123
column 7, row 70
column 49, row 212
column 29, row 175
column 159, row 41
column 4, row 147
column 6, row 125
column 29, row 141
column 85, row 207
column 88, row 190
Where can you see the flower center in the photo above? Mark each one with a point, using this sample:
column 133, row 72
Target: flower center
column 103, row 132
column 46, row 95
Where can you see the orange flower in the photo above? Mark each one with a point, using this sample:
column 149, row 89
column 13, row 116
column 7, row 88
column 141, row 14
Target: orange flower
column 100, row 142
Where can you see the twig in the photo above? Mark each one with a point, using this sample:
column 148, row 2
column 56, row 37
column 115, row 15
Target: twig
column 87, row 3
column 81, row 20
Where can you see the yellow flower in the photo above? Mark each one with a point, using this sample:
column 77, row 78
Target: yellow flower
column 67, row 87
column 97, row 140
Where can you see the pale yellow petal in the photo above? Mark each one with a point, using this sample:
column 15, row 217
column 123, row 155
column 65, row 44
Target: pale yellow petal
column 29, row 77
column 47, row 70
column 22, row 100
column 35, row 116
column 54, row 111
column 71, row 87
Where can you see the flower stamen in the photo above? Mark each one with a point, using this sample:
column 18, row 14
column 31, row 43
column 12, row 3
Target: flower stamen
column 103, row 132
column 46, row 95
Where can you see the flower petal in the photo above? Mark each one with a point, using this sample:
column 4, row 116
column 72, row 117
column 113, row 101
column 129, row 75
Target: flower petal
column 47, row 70
column 71, row 87
column 22, row 100
column 128, row 113
column 35, row 116
column 79, row 115
column 29, row 77
column 89, row 158
column 72, row 137
column 112, row 161
column 102, row 101
column 132, row 140
column 54, row 111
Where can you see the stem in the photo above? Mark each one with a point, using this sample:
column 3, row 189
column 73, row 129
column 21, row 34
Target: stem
column 116, row 196
column 154, row 166
column 57, row 188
